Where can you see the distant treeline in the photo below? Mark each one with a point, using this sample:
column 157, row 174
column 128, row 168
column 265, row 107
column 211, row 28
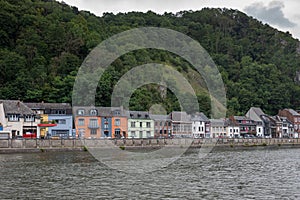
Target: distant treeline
column 43, row 43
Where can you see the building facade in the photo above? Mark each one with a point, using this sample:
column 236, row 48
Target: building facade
column 162, row 126
column 56, row 119
column 18, row 119
column 140, row 125
column 181, row 124
column 200, row 126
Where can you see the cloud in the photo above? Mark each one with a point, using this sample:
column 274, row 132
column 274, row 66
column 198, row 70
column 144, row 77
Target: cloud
column 271, row 13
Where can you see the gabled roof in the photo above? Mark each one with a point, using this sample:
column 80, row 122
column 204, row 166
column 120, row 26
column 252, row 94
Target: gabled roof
column 293, row 112
column 258, row 111
column 200, row 117
column 16, row 107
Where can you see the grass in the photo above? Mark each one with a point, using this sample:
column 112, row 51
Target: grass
column 85, row 148
column 122, row 148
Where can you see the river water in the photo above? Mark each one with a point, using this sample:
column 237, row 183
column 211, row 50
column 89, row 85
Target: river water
column 255, row 174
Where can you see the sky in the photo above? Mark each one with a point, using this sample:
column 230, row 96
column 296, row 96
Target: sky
column 280, row 14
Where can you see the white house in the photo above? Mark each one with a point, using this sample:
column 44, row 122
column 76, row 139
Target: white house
column 18, row 119
column 200, row 126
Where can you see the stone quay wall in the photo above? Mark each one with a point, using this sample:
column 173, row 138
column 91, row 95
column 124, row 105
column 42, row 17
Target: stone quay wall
column 39, row 144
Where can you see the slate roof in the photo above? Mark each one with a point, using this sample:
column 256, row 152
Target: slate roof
column 200, row 117
column 138, row 115
column 217, row 122
column 101, row 111
column 43, row 106
column 180, row 116
column 16, row 107
column 293, row 112
column 160, row 117
column 258, row 111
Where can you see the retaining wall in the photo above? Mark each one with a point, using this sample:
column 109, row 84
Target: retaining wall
column 49, row 144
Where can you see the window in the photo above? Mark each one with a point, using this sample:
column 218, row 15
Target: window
column 60, row 121
column 61, row 133
column 29, row 118
column 199, row 128
column 141, row 134
column 80, row 122
column 117, row 133
column 106, row 126
column 141, row 124
column 148, row 124
column 59, row 112
column 133, row 134
column 132, row 124
column 93, row 112
column 117, row 122
column 93, row 123
column 81, row 132
column 160, row 123
column 13, row 118
column 93, row 131
column 80, row 112
column 117, row 112
column 148, row 134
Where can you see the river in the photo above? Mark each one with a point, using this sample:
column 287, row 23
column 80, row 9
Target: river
column 254, row 174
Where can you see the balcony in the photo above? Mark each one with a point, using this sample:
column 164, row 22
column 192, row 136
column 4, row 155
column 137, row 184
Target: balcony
column 47, row 124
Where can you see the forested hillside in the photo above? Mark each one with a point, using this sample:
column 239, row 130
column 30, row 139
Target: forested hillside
column 43, row 43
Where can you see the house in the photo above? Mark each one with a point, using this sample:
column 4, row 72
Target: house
column 233, row 129
column 105, row 114
column 119, row 123
column 57, row 119
column 18, row 119
column 181, row 124
column 256, row 114
column 218, row 128
column 200, row 126
column 87, row 122
column 162, row 126
column 247, row 125
column 293, row 117
column 140, row 125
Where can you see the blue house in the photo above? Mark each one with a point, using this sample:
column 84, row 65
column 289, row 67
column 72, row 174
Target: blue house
column 106, row 115
column 60, row 113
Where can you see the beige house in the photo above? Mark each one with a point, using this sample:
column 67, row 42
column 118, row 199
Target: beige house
column 18, row 119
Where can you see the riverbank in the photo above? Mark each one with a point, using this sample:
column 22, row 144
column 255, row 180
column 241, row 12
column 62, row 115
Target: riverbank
column 38, row 145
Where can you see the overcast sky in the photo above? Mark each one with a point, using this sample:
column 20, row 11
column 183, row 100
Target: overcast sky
column 281, row 14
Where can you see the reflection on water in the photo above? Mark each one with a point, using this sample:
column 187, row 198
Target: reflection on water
column 269, row 174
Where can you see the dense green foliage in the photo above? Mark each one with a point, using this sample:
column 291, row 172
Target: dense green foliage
column 43, row 43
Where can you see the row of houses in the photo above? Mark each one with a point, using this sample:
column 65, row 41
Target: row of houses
column 49, row 120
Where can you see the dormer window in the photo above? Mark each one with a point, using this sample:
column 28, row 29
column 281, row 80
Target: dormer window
column 80, row 112
column 13, row 118
column 93, row 112
column 117, row 112
column 29, row 118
